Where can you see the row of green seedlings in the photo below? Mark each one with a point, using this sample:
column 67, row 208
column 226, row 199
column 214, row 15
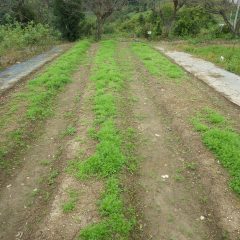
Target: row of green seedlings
column 157, row 64
column 39, row 97
column 223, row 140
column 108, row 160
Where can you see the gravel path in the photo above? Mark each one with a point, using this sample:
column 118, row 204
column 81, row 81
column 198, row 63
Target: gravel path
column 16, row 72
column 222, row 81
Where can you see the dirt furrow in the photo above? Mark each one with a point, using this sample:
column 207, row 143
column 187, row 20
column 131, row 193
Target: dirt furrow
column 25, row 200
column 58, row 224
column 179, row 181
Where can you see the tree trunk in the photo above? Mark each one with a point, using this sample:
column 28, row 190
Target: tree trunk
column 227, row 22
column 99, row 30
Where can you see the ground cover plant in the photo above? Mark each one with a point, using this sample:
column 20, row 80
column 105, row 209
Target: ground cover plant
column 39, row 97
column 109, row 159
column 215, row 52
column 218, row 135
column 156, row 63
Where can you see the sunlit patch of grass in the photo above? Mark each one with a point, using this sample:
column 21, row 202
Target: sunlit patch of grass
column 157, row 64
column 218, row 135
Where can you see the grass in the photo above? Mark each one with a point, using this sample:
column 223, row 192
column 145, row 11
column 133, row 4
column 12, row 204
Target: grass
column 218, row 135
column 44, row 88
column 70, row 131
column 39, row 98
column 213, row 53
column 70, row 205
column 109, row 159
column 156, row 63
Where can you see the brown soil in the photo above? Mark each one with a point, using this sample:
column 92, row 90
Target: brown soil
column 174, row 200
column 180, row 192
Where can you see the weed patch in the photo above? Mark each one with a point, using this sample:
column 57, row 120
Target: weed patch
column 156, row 63
column 218, row 135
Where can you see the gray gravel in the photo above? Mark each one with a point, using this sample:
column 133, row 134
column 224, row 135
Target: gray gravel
column 224, row 82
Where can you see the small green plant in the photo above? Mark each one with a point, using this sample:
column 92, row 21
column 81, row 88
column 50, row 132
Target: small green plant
column 70, row 131
column 191, row 166
column 114, row 225
column 52, row 177
column 70, row 205
column 179, row 178
column 45, row 162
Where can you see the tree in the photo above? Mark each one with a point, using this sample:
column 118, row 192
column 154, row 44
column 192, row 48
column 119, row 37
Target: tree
column 103, row 9
column 19, row 10
column 68, row 17
column 223, row 8
column 168, row 11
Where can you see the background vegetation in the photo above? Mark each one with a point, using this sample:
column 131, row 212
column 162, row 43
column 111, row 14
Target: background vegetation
column 30, row 25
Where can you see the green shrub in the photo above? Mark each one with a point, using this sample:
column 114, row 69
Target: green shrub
column 190, row 21
column 69, row 16
column 16, row 37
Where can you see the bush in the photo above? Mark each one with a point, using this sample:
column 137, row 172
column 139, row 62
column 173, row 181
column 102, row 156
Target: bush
column 68, row 18
column 16, row 37
column 140, row 23
column 190, row 21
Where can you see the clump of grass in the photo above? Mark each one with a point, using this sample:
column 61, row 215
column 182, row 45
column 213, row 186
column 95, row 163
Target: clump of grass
column 70, row 205
column 52, row 177
column 222, row 140
column 157, row 64
column 70, row 131
column 114, row 224
column 108, row 160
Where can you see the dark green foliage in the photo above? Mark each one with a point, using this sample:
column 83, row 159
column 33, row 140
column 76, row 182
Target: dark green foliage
column 190, row 21
column 20, row 11
column 68, row 18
